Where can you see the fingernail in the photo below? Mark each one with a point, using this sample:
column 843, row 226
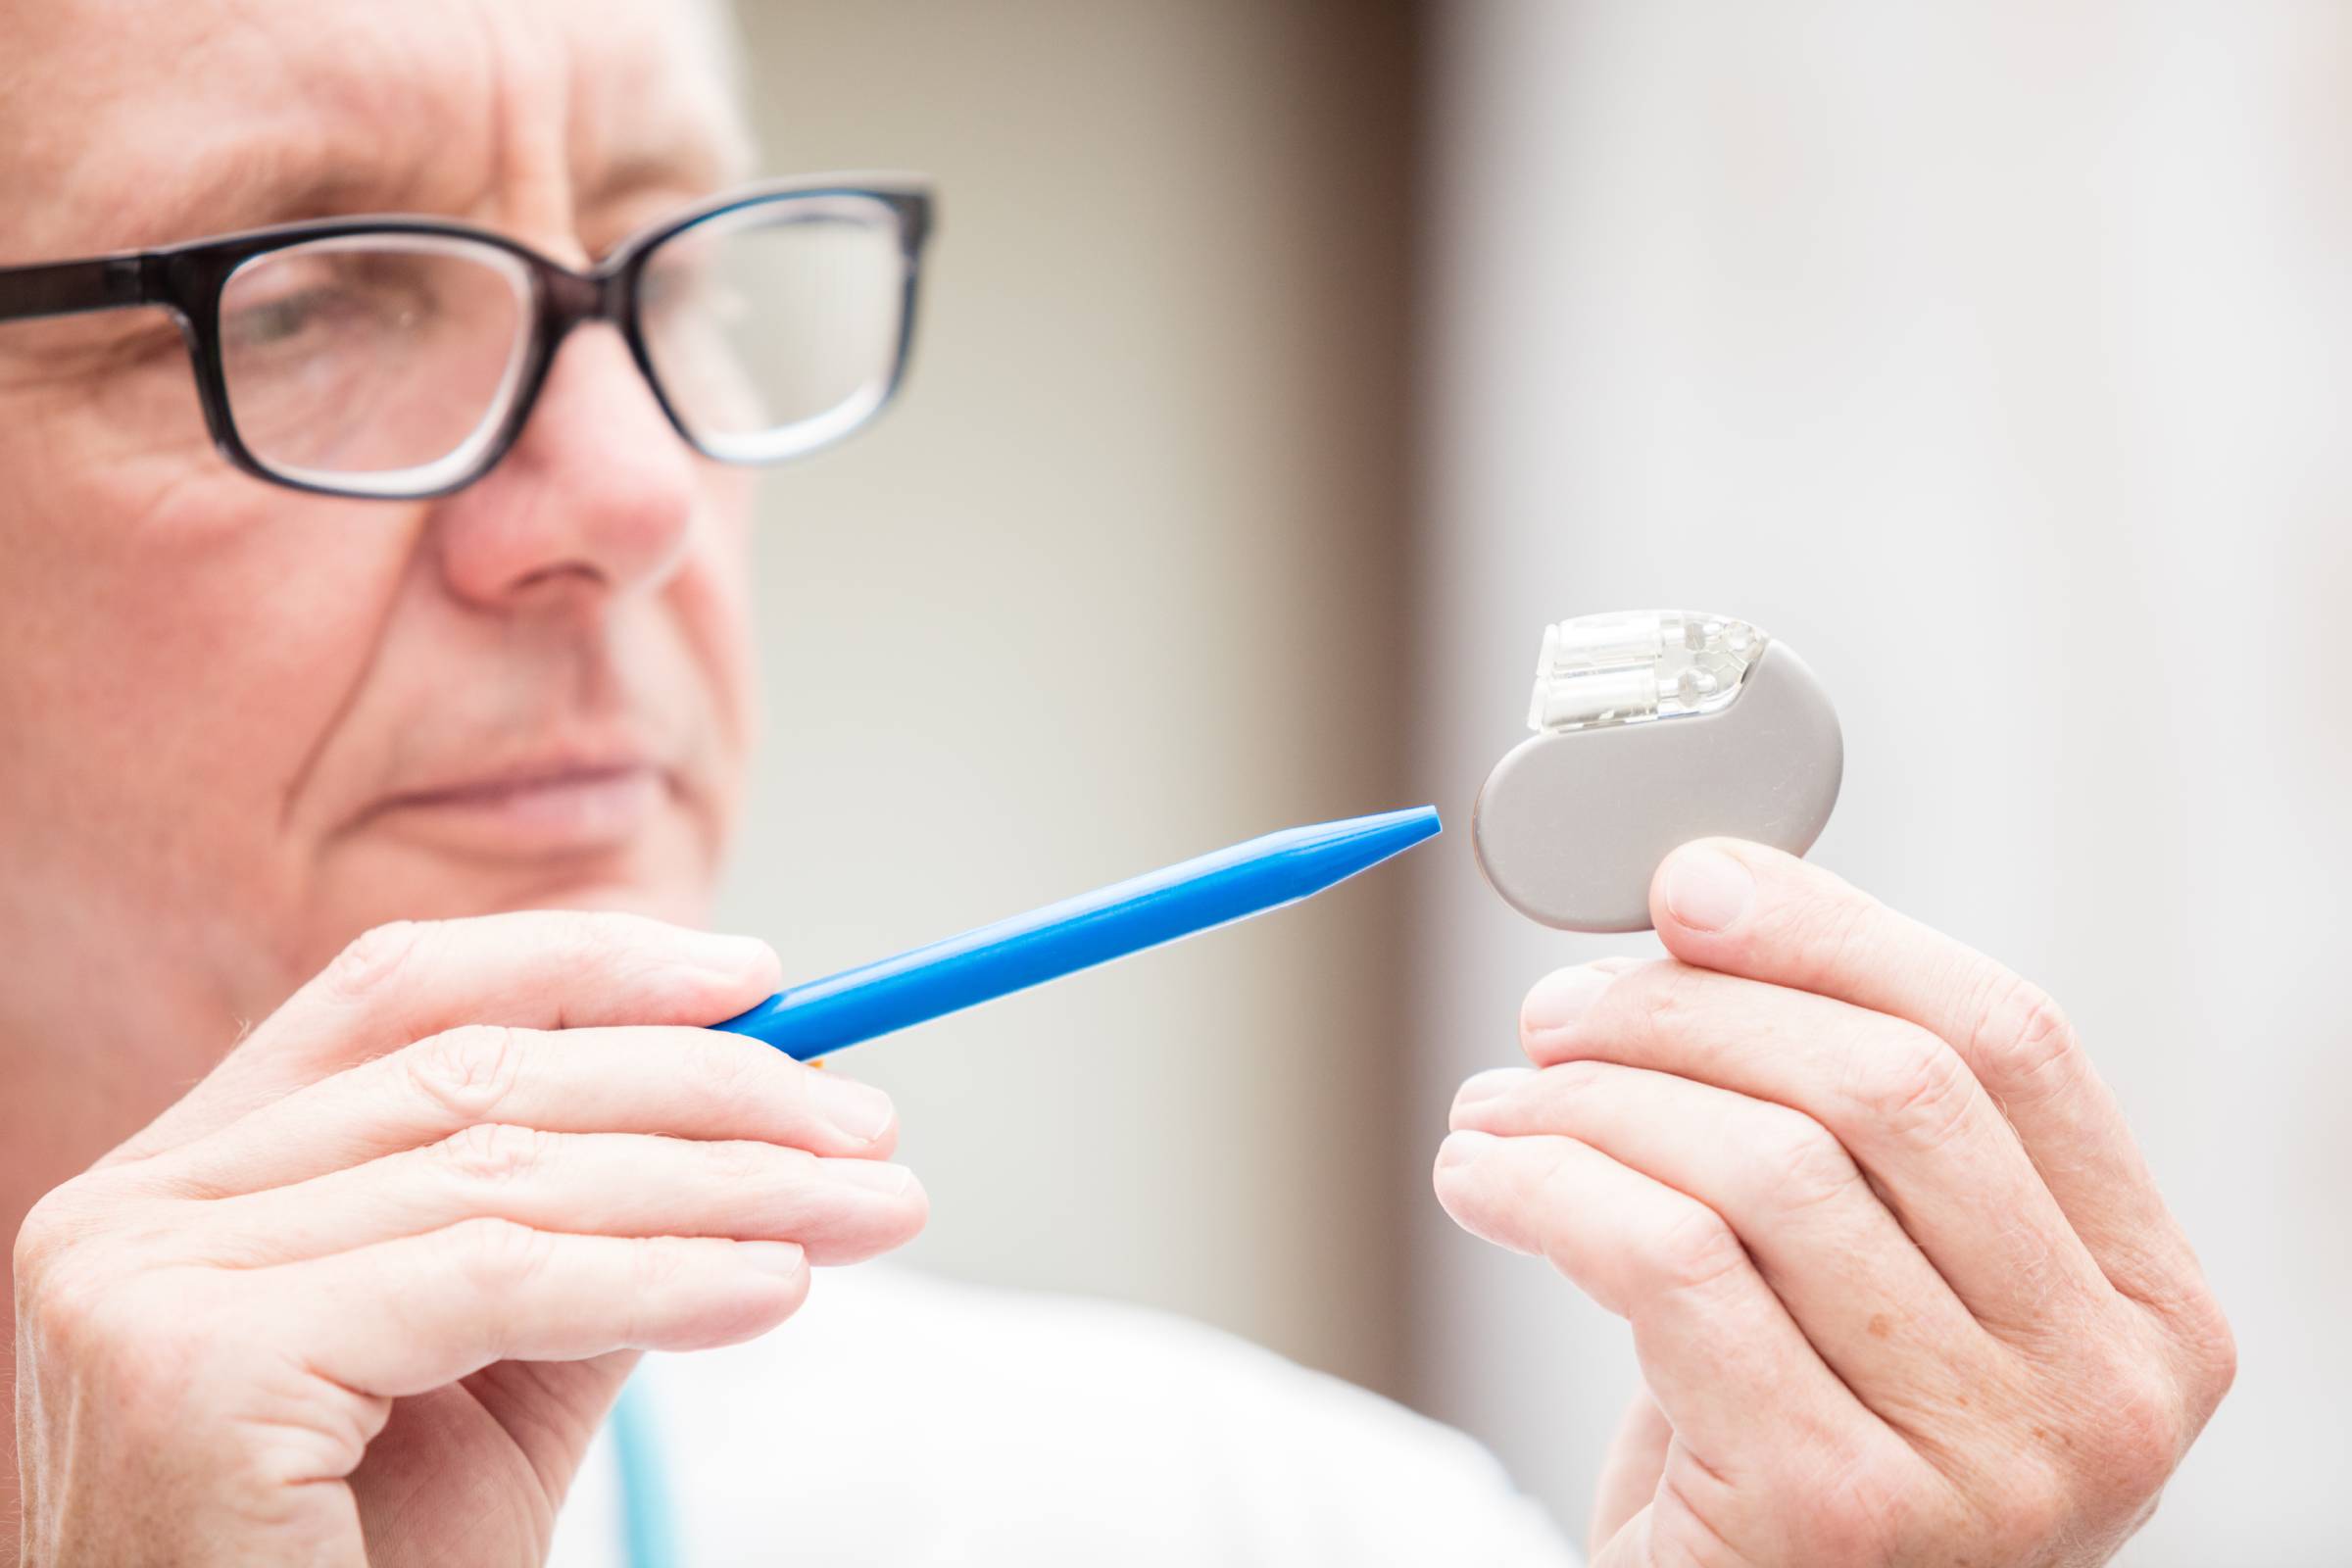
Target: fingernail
column 870, row 1174
column 1707, row 889
column 859, row 1110
column 1459, row 1148
column 784, row 1260
column 1494, row 1082
column 1562, row 997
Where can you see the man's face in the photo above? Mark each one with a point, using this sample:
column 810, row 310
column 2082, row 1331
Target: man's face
column 243, row 723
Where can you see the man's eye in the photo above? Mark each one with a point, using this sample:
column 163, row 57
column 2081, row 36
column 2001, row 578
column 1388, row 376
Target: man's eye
column 277, row 323
column 341, row 310
column 143, row 344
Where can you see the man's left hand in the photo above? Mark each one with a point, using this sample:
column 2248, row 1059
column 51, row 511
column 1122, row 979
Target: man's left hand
column 1900, row 1284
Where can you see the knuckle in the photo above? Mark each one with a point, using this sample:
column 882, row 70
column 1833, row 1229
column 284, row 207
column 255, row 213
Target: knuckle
column 369, row 960
column 2141, row 1431
column 1695, row 1251
column 51, row 1226
column 657, row 1265
column 2212, row 1348
column 1657, row 996
column 494, row 1154
column 2019, row 1035
column 60, row 1261
column 2108, row 1439
column 497, row 1255
column 1911, row 1083
column 1801, row 1163
column 728, row 1070
column 617, row 943
column 68, row 1311
column 91, row 1302
column 743, row 1163
column 1861, row 1514
column 2035, row 1509
column 1834, row 927
column 468, row 1071
column 589, row 933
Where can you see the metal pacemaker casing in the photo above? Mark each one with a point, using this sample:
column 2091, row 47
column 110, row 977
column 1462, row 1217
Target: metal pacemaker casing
column 1571, row 825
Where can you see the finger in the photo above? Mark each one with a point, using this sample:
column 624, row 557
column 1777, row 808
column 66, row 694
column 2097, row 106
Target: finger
column 540, row 969
column 407, row 1315
column 1865, row 1297
column 1715, row 1346
column 1895, row 1096
column 1629, row 1475
column 597, row 1184
column 686, row 1082
column 1744, row 909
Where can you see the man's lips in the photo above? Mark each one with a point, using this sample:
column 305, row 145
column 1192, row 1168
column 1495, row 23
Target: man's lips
column 546, row 808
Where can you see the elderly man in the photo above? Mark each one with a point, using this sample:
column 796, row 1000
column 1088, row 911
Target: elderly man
column 371, row 579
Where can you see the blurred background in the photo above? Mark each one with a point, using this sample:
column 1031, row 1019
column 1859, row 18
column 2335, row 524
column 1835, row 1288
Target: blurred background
column 1287, row 366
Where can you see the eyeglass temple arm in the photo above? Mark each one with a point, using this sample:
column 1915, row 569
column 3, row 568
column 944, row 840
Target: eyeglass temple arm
column 67, row 288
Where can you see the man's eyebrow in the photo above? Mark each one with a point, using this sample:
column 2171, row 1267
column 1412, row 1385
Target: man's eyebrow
column 647, row 175
column 229, row 195
column 648, row 182
column 230, row 188
column 690, row 164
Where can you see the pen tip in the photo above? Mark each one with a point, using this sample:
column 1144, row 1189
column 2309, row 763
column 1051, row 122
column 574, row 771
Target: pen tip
column 1368, row 840
column 1413, row 822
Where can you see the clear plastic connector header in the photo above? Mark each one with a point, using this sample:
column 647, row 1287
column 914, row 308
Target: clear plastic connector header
column 1631, row 667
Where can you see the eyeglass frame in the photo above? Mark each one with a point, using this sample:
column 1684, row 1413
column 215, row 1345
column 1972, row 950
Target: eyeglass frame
column 187, row 280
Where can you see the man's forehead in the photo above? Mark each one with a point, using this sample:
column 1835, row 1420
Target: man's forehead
column 143, row 121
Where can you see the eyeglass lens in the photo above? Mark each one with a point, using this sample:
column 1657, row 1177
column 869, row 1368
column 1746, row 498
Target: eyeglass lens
column 775, row 328
column 394, row 359
column 373, row 354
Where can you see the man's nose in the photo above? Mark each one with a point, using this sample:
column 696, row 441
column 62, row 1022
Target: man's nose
column 595, row 500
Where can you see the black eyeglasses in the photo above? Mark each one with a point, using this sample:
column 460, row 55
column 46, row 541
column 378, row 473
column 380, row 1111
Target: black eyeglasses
column 399, row 357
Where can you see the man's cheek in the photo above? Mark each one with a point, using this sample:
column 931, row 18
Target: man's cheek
column 248, row 623
column 713, row 600
column 723, row 537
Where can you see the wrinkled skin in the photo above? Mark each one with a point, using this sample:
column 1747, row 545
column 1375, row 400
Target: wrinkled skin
column 1902, row 1291
column 246, row 725
column 1900, row 1282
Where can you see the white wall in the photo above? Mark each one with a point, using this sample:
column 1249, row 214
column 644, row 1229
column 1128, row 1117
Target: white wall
column 1995, row 357
column 1114, row 585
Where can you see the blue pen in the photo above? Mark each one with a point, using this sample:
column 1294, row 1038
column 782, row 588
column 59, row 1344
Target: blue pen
column 824, row 1015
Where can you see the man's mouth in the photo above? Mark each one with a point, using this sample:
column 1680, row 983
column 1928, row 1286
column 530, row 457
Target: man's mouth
column 535, row 809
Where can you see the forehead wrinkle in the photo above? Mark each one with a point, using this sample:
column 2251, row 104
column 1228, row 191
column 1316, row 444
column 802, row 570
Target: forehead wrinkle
column 265, row 117
column 525, row 73
column 275, row 116
column 247, row 181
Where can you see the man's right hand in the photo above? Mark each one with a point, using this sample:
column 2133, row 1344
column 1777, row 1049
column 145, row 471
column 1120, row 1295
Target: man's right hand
column 365, row 1293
